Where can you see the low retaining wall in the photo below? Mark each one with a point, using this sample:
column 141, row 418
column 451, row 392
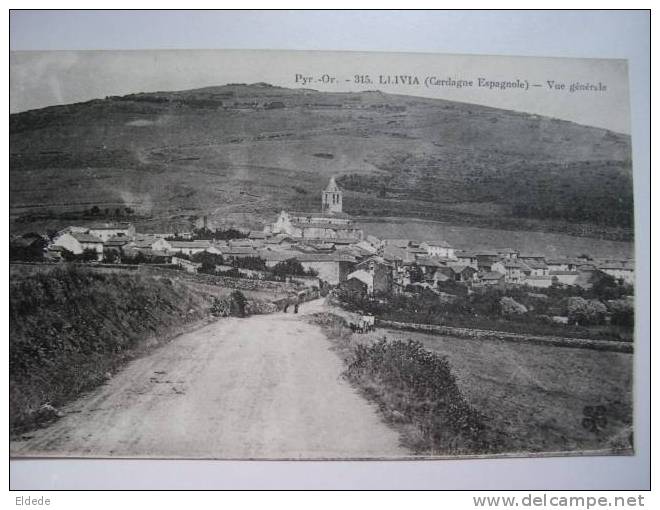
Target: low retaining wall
column 170, row 271
column 221, row 281
column 579, row 343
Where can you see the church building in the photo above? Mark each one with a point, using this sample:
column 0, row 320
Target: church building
column 331, row 224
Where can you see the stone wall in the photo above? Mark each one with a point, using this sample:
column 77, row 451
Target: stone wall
column 221, row 281
column 580, row 343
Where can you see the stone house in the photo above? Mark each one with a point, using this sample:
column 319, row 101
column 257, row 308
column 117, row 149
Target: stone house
column 77, row 242
column 381, row 273
column 537, row 267
column 494, row 278
column 620, row 271
column 486, row 259
column 565, row 277
column 438, row 249
column 514, row 271
column 467, row 258
column 189, row 247
column 105, row 231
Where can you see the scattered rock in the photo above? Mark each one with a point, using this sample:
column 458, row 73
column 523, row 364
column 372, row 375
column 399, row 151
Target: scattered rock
column 397, row 416
column 49, row 412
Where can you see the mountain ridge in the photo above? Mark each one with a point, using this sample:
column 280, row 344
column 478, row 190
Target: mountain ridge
column 176, row 155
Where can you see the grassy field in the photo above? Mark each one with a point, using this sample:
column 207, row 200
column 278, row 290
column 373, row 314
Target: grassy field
column 530, row 398
column 473, row 238
column 537, row 395
column 174, row 156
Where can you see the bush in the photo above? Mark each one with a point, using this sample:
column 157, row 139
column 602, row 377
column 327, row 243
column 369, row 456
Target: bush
column 623, row 313
column 511, row 308
column 410, row 381
column 586, row 312
column 70, row 326
column 220, row 308
column 208, row 260
column 255, row 263
column 111, row 256
column 33, row 251
column 238, row 304
column 291, row 267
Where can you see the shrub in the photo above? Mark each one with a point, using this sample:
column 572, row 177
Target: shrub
column 586, row 312
column 289, row 267
column 410, row 381
column 208, row 260
column 220, row 307
column 69, row 326
column 256, row 263
column 511, row 308
column 89, row 255
column 238, row 304
column 623, row 313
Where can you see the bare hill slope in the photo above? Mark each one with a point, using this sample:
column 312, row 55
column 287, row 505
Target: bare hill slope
column 238, row 153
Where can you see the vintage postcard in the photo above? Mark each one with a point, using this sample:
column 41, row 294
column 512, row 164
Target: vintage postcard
column 319, row 255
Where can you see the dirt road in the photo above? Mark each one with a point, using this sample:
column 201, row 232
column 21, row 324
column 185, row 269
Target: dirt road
column 263, row 387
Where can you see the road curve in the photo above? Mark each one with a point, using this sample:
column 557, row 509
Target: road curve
column 265, row 387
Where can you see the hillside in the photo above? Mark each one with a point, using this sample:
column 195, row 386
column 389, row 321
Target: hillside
column 70, row 327
column 239, row 153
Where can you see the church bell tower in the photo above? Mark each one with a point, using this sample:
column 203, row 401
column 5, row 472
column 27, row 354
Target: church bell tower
column 331, row 198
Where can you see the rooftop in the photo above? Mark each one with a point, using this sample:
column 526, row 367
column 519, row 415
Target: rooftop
column 190, row 244
column 440, row 244
column 315, row 214
column 492, row 275
column 83, row 237
column 459, row 268
column 332, row 186
column 536, row 264
column 319, row 224
column 431, row 262
column 110, row 226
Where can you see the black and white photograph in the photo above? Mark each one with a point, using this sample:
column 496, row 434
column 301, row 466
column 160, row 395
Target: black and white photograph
column 277, row 255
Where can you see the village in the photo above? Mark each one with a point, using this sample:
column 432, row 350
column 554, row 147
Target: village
column 327, row 251
column 331, row 250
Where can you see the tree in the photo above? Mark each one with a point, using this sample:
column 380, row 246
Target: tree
column 606, row 287
column 208, row 260
column 289, row 267
column 95, row 211
column 623, row 313
column 68, row 255
column 29, row 247
column 111, row 256
column 586, row 312
column 207, row 267
column 256, row 263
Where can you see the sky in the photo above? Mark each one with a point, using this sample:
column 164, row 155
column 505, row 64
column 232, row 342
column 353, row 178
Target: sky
column 45, row 78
